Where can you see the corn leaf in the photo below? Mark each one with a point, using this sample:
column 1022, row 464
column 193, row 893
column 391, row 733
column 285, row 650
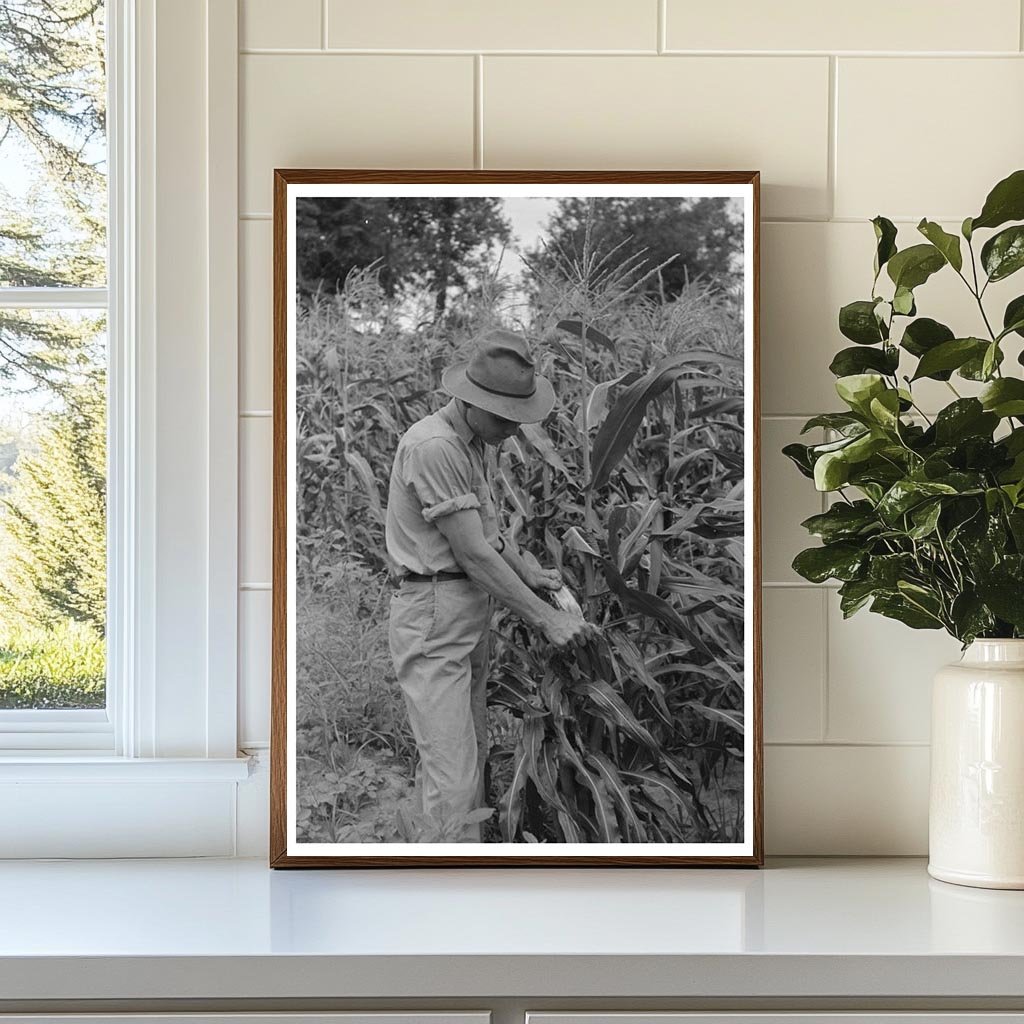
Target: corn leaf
column 626, row 415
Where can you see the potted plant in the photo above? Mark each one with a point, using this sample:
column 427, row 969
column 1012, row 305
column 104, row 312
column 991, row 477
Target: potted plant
column 926, row 524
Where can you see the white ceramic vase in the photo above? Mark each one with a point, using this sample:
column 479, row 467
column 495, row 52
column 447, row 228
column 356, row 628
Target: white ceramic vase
column 976, row 813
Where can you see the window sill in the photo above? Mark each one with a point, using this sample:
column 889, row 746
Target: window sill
column 77, row 766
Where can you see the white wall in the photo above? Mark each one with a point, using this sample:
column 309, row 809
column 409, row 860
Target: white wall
column 905, row 109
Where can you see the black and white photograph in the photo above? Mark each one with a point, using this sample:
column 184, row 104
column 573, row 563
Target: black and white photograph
column 515, row 550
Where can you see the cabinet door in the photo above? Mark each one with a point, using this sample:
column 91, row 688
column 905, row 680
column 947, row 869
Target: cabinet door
column 790, row 1017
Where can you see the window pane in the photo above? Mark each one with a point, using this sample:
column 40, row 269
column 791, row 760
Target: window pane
column 52, row 509
column 53, row 150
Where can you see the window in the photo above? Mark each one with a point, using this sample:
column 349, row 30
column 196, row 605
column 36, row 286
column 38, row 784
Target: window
column 53, row 373
column 163, row 309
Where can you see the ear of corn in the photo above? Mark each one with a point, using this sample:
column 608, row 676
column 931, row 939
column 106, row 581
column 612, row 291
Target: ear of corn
column 564, row 599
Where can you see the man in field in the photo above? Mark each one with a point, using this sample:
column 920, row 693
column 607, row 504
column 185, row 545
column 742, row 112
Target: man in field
column 442, row 534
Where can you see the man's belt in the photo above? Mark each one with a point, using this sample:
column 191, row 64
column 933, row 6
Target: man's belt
column 437, row 577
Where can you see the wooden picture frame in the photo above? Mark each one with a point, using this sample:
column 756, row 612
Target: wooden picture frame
column 736, row 731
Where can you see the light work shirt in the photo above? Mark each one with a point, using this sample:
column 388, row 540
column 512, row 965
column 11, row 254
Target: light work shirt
column 439, row 469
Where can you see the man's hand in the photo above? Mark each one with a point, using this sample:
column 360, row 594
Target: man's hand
column 564, row 628
column 537, row 578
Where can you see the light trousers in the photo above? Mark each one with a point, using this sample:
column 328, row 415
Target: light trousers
column 439, row 635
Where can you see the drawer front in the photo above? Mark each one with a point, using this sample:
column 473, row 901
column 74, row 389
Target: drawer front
column 934, row 1017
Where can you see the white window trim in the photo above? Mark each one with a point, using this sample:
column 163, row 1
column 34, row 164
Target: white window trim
column 130, row 400
column 173, row 464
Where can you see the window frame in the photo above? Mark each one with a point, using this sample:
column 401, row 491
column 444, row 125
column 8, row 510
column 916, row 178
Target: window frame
column 172, row 513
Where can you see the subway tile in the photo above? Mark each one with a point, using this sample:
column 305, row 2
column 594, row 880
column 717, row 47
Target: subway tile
column 273, row 25
column 679, row 113
column 960, row 130
column 846, row 801
column 808, row 271
column 787, row 498
column 878, row 25
column 471, row 25
column 351, row 111
column 255, row 316
column 793, row 632
column 879, row 677
column 255, row 511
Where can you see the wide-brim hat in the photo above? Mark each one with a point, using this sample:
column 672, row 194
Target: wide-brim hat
column 499, row 377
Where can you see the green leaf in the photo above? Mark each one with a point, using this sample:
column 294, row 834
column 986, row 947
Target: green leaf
column 903, row 302
column 971, row 618
column 831, row 471
column 1003, row 254
column 974, row 368
column 950, row 355
column 858, row 389
column 925, row 518
column 906, row 494
column 1004, row 397
column 885, row 236
column 947, row 244
column 990, row 359
column 857, row 321
column 966, row 417
column 966, row 229
column 995, row 500
column 864, row 446
column 1005, row 597
column 843, row 521
column 1015, row 519
column 1013, row 317
column 833, row 420
column 841, row 561
column 849, row 361
column 1005, row 202
column 913, row 266
column 799, row 455
column 963, row 481
column 1014, row 441
column 885, row 409
column 923, row 335
column 886, row 571
column 841, row 442
column 897, row 607
column 854, row 595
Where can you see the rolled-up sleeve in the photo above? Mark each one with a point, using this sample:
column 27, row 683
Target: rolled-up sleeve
column 442, row 477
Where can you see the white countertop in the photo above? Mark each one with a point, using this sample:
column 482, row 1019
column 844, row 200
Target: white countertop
column 234, row 928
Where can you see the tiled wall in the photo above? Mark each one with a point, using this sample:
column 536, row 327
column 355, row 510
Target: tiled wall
column 905, row 109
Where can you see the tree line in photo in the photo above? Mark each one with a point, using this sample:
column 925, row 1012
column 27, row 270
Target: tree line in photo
column 633, row 488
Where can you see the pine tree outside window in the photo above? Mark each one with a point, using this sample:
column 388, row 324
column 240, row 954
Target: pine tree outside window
column 53, row 371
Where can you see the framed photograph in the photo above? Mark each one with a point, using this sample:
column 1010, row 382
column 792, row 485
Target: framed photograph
column 516, row 559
